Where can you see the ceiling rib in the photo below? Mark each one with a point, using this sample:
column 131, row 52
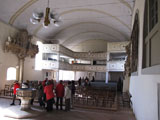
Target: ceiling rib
column 126, row 4
column 20, row 11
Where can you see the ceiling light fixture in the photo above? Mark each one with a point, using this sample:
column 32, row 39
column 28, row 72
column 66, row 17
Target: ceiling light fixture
column 50, row 17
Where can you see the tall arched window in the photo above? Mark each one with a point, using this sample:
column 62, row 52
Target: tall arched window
column 11, row 73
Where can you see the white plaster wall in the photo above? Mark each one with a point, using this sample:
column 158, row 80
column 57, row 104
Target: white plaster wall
column 90, row 45
column 29, row 67
column 98, row 75
column 114, row 76
column 6, row 59
column 126, row 83
column 143, row 87
column 29, row 70
column 81, row 74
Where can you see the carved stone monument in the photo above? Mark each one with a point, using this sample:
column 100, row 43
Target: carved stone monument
column 22, row 46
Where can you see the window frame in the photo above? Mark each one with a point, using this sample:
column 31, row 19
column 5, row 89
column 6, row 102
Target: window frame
column 147, row 39
column 15, row 75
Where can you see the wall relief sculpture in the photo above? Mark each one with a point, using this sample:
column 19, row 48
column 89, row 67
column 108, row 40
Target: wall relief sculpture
column 134, row 45
column 127, row 71
column 21, row 45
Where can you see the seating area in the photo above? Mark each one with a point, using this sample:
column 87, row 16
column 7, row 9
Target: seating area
column 126, row 98
column 7, row 91
column 96, row 97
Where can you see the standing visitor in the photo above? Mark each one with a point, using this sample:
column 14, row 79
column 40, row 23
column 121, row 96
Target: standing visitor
column 73, row 89
column 48, row 90
column 16, row 86
column 67, row 96
column 44, row 84
column 59, row 94
column 79, row 81
column 40, row 94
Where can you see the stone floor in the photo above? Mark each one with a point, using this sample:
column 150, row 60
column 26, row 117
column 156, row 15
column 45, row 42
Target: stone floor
column 37, row 113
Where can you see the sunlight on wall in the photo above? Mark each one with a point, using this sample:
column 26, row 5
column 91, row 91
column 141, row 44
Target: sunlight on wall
column 11, row 73
column 66, row 75
column 38, row 59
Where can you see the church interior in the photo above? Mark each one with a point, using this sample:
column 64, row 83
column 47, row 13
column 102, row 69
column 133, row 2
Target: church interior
column 96, row 59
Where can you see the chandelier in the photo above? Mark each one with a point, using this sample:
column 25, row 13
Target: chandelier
column 47, row 17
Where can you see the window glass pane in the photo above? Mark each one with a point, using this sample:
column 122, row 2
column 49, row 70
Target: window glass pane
column 11, row 73
column 50, row 56
column 66, row 75
column 153, row 11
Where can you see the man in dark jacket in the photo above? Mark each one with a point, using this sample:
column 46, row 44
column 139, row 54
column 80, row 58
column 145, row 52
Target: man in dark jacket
column 73, row 89
column 40, row 94
column 59, row 94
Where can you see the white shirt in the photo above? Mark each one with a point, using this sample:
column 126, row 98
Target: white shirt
column 67, row 93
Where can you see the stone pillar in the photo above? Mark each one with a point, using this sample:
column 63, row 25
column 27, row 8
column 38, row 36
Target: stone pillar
column 57, row 75
column 17, row 72
column 107, row 77
column 126, row 83
column 74, row 75
column 21, row 70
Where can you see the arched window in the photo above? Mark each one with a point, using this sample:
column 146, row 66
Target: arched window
column 11, row 73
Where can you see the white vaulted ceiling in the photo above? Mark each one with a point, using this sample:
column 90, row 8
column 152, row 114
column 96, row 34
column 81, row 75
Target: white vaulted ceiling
column 82, row 20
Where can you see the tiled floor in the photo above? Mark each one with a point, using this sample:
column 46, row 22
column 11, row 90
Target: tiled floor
column 74, row 114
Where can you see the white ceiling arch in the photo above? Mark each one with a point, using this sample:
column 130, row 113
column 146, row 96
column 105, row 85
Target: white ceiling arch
column 86, row 44
column 88, row 26
column 94, row 34
column 102, row 19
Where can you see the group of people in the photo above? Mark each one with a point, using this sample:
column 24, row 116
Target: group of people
column 48, row 91
column 61, row 91
column 86, row 81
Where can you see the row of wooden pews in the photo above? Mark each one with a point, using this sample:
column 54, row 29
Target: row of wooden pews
column 7, row 91
column 96, row 97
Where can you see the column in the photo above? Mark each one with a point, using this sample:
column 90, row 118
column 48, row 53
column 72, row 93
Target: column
column 107, row 77
column 21, row 70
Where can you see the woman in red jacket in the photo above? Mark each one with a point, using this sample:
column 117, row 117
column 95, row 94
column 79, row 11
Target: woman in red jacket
column 48, row 90
column 59, row 94
column 16, row 86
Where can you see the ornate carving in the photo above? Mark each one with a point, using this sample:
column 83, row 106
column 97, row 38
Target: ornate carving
column 21, row 45
column 127, row 71
column 134, row 40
